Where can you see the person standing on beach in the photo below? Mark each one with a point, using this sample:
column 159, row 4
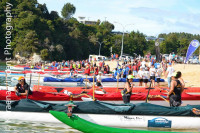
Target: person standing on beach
column 169, row 73
column 152, row 72
column 158, row 75
column 140, row 75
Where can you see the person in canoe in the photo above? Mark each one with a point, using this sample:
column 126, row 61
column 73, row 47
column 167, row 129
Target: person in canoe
column 127, row 92
column 176, row 89
column 22, row 88
column 98, row 82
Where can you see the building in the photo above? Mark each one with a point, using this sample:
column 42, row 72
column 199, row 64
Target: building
column 86, row 22
column 152, row 38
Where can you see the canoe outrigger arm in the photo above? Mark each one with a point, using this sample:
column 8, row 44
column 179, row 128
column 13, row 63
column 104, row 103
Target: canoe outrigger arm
column 80, row 95
column 70, row 107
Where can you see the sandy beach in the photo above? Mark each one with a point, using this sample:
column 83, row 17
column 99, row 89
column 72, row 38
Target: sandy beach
column 191, row 73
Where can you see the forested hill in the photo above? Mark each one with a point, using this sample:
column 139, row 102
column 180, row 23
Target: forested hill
column 36, row 30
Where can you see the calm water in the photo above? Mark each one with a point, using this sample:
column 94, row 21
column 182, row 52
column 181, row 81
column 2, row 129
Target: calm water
column 13, row 126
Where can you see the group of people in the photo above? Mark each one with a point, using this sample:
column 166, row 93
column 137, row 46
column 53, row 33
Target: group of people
column 145, row 70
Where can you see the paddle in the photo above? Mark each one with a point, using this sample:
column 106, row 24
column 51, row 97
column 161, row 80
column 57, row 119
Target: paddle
column 93, row 89
column 38, row 82
column 117, row 82
column 148, row 92
column 86, row 84
column 29, row 86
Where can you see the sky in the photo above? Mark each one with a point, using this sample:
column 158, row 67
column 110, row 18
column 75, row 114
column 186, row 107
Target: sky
column 150, row 17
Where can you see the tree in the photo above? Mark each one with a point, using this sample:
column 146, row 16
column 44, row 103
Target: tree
column 68, row 11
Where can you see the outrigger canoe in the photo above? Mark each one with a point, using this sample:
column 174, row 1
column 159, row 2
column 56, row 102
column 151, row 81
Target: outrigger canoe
column 142, row 115
column 116, row 97
column 87, row 88
column 88, row 127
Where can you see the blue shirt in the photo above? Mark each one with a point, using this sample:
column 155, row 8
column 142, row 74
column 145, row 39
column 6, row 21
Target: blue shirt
column 115, row 73
column 127, row 70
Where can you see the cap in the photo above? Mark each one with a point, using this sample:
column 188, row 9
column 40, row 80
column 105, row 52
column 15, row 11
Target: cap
column 170, row 63
column 100, row 72
column 146, row 69
column 130, row 77
column 20, row 78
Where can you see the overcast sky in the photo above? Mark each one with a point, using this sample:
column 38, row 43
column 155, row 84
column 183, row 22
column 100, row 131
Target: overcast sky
column 150, row 17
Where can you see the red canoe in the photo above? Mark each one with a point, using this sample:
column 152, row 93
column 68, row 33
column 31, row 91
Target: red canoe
column 76, row 90
column 110, row 97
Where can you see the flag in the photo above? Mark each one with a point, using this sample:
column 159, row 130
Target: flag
column 192, row 47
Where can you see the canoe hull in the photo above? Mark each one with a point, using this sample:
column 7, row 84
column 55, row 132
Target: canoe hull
column 138, row 121
column 124, row 121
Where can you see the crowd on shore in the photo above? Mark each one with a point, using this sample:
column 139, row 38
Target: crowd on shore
column 147, row 69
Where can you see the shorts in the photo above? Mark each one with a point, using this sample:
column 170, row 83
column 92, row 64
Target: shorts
column 174, row 101
column 140, row 80
column 124, row 76
column 87, row 74
column 158, row 80
column 98, row 84
column 152, row 77
column 145, row 80
column 126, row 98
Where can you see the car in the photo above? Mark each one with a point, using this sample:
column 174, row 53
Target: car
column 195, row 60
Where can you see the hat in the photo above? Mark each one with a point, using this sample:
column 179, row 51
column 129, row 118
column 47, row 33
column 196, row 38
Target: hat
column 100, row 72
column 170, row 63
column 20, row 78
column 146, row 69
column 130, row 77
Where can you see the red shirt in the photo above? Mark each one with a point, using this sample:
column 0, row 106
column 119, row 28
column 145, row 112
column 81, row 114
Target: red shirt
column 87, row 71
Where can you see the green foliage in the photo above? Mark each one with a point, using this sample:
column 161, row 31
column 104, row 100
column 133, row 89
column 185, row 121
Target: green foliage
column 35, row 30
column 177, row 42
column 68, row 10
column 44, row 54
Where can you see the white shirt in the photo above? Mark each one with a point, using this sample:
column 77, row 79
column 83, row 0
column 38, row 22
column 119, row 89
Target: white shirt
column 170, row 70
column 152, row 71
column 98, row 78
column 149, row 64
column 140, row 73
column 159, row 72
column 143, row 63
column 145, row 75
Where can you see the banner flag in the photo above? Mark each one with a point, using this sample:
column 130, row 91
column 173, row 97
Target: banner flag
column 192, row 47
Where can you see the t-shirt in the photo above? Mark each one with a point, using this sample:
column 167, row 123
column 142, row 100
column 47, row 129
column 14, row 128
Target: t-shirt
column 143, row 63
column 140, row 73
column 152, row 71
column 87, row 71
column 21, row 89
column 159, row 72
column 145, row 75
column 170, row 70
column 127, row 70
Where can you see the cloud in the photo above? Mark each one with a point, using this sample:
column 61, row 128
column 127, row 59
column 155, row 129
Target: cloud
column 148, row 16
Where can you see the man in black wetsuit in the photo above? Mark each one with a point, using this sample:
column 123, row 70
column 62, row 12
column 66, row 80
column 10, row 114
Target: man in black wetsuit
column 176, row 90
column 22, row 88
